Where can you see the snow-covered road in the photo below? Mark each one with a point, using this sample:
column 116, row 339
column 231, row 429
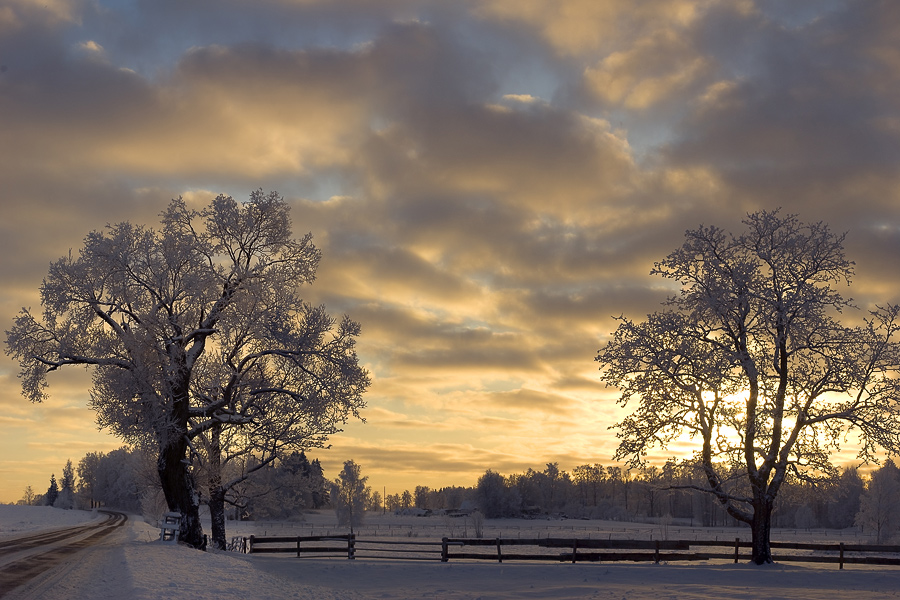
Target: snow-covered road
column 27, row 558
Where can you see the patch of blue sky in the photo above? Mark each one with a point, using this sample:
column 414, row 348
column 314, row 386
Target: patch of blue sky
column 521, row 66
column 798, row 13
column 142, row 37
column 320, row 186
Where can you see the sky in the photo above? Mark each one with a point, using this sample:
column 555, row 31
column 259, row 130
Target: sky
column 490, row 183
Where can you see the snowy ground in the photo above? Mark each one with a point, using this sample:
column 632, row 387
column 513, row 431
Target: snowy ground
column 132, row 564
column 379, row 526
column 19, row 520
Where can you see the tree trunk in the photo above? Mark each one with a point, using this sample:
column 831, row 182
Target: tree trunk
column 178, row 487
column 217, row 516
column 216, row 492
column 174, row 465
column 761, row 552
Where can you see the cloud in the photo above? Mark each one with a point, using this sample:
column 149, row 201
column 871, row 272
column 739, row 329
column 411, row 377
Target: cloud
column 490, row 182
column 584, row 27
column 652, row 71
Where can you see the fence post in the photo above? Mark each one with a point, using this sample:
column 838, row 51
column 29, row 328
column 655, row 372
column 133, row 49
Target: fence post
column 444, row 550
column 737, row 547
column 574, row 550
column 298, row 546
column 351, row 546
column 842, row 555
column 656, row 553
column 499, row 553
column 250, row 549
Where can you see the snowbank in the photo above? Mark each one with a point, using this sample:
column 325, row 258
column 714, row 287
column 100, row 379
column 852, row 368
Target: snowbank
column 18, row 520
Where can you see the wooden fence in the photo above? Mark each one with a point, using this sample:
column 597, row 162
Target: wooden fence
column 569, row 550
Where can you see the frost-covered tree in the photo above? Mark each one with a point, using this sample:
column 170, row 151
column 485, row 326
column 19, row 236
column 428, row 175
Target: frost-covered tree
column 495, row 498
column 751, row 361
column 66, row 497
column 376, row 502
column 350, row 495
column 845, row 499
column 283, row 378
column 879, row 510
column 421, row 497
column 588, row 480
column 118, row 479
column 28, row 496
column 126, row 476
column 88, row 472
column 68, row 477
column 162, row 317
column 392, row 502
column 281, row 490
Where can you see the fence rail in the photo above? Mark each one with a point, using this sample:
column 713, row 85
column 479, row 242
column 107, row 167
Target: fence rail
column 573, row 550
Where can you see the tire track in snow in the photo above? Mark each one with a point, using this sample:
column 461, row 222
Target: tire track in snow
column 23, row 570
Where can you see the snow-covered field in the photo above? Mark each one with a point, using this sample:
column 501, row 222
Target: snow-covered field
column 132, row 564
column 379, row 526
column 19, row 520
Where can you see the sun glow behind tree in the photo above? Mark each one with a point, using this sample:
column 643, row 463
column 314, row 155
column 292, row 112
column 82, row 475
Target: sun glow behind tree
column 750, row 361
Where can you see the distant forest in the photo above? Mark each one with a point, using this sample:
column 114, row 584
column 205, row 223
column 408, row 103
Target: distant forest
column 125, row 479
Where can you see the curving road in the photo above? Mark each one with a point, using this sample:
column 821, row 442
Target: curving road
column 24, row 558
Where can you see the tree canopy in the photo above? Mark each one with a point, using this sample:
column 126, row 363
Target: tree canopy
column 752, row 362
column 195, row 328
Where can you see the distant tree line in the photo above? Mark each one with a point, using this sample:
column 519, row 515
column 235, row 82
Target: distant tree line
column 284, row 490
column 118, row 479
column 281, row 490
column 126, row 479
column 669, row 492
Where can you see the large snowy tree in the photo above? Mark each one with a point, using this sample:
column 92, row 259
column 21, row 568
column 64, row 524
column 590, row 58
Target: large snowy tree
column 156, row 313
column 283, row 377
column 751, row 362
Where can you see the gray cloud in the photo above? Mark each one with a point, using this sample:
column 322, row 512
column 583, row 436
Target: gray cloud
column 490, row 182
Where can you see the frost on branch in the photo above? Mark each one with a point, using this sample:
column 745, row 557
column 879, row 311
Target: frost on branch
column 751, row 361
column 197, row 337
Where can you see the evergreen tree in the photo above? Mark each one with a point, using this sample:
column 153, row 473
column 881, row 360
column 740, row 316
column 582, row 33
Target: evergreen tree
column 52, row 492
column 68, row 479
column 66, row 497
column 318, row 485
